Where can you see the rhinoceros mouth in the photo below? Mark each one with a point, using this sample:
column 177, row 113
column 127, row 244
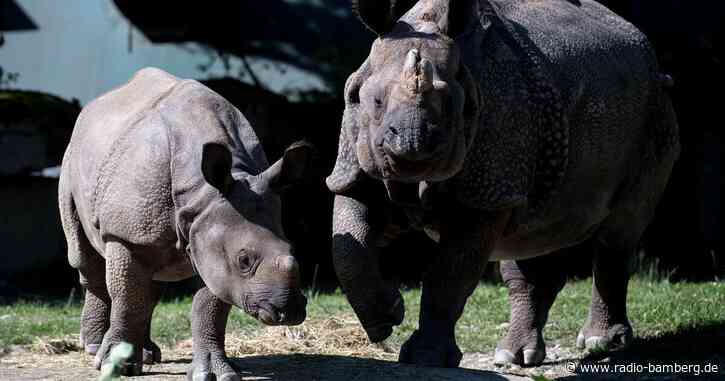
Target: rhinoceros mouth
column 377, row 162
column 269, row 315
column 274, row 316
column 402, row 168
column 292, row 313
column 430, row 169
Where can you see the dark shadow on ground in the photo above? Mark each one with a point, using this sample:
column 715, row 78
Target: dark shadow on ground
column 161, row 373
column 325, row 367
column 177, row 361
column 701, row 347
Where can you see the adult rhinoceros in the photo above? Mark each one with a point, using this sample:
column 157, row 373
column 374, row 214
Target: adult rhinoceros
column 507, row 130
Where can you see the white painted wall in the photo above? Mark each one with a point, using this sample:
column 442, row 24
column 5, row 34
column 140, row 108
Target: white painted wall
column 81, row 50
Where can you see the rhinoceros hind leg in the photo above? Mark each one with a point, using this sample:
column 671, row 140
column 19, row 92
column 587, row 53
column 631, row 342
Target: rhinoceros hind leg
column 607, row 327
column 95, row 314
column 533, row 285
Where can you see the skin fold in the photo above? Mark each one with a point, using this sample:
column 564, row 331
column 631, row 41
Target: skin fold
column 164, row 178
column 507, row 130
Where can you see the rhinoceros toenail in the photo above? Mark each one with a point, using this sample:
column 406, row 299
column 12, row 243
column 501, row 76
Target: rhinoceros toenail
column 503, row 357
column 92, row 349
column 202, row 376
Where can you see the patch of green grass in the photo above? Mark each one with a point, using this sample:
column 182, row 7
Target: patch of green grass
column 655, row 308
column 21, row 322
column 172, row 321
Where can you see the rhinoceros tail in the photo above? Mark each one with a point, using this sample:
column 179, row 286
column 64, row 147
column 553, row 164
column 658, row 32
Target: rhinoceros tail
column 79, row 248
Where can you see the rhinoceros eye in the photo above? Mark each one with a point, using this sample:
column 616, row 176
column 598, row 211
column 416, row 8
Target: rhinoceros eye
column 379, row 106
column 247, row 263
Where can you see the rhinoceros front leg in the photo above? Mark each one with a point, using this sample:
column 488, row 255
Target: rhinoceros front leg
column 130, row 287
column 533, row 285
column 208, row 326
column 466, row 244
column 378, row 304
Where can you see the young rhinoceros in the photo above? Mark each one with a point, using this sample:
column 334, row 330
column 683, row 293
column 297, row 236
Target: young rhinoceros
column 507, row 130
column 162, row 178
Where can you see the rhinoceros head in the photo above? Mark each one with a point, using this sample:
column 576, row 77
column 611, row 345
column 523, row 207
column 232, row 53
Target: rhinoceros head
column 413, row 99
column 236, row 239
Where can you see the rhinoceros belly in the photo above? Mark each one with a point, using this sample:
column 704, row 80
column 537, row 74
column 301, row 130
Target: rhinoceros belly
column 573, row 215
column 532, row 242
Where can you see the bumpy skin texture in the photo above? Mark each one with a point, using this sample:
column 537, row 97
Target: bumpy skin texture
column 162, row 178
column 533, row 285
column 208, row 335
column 507, row 130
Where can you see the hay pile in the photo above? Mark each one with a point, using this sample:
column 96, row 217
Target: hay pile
column 47, row 346
column 341, row 336
column 46, row 353
column 337, row 335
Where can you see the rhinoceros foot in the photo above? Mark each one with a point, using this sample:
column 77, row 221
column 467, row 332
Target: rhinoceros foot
column 521, row 347
column 614, row 337
column 431, row 350
column 151, row 353
column 131, row 367
column 211, row 365
column 389, row 311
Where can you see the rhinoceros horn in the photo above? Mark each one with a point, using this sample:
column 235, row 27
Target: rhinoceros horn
column 418, row 74
column 410, row 67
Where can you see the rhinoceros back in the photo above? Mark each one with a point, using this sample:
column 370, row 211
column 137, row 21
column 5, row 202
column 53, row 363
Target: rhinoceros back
column 582, row 114
column 557, row 79
column 136, row 149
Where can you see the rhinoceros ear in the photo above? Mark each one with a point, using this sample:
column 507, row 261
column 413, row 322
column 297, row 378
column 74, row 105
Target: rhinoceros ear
column 216, row 165
column 380, row 15
column 489, row 13
column 291, row 168
column 462, row 16
column 347, row 171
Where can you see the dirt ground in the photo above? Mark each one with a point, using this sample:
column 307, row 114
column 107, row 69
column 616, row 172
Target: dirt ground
column 337, row 349
column 25, row 364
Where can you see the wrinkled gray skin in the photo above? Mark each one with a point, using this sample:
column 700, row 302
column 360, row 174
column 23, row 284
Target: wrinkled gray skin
column 507, row 130
column 163, row 177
